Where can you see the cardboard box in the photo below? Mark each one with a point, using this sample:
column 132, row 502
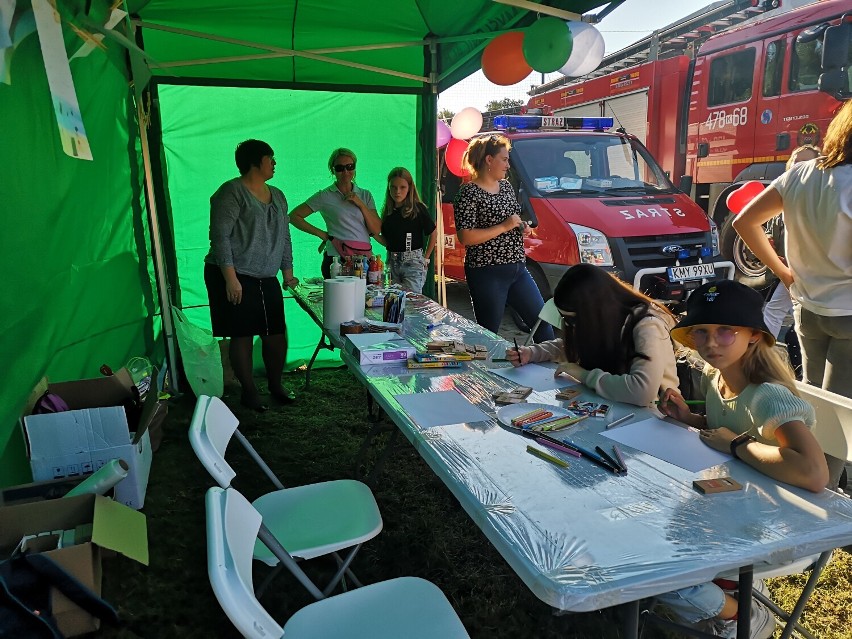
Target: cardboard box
column 114, row 528
column 379, row 348
column 80, row 441
column 37, row 491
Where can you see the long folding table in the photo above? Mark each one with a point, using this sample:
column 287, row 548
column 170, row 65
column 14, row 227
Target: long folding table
column 583, row 538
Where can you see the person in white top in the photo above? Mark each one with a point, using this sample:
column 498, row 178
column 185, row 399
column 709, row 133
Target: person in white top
column 780, row 305
column 816, row 199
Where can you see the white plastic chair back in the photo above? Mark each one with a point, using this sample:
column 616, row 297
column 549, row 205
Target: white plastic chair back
column 833, row 428
column 232, row 525
column 212, row 426
column 548, row 313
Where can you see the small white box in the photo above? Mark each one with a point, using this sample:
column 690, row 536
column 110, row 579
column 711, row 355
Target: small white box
column 379, row 348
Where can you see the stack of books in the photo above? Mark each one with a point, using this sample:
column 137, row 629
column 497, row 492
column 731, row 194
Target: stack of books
column 433, row 360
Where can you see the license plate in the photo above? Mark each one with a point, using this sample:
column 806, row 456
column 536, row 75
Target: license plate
column 693, row 272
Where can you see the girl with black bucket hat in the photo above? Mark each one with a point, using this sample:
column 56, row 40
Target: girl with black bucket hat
column 753, row 412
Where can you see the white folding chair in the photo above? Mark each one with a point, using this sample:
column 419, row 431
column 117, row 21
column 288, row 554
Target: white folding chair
column 548, row 313
column 309, row 521
column 833, row 431
column 833, row 428
column 405, row 607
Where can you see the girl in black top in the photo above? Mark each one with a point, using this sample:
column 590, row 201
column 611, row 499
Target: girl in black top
column 405, row 224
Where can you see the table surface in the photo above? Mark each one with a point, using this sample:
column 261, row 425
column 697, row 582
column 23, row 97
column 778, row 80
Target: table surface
column 583, row 538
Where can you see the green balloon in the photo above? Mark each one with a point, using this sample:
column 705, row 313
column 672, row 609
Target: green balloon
column 547, row 44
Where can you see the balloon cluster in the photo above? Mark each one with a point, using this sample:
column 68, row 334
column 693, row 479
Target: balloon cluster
column 465, row 124
column 572, row 48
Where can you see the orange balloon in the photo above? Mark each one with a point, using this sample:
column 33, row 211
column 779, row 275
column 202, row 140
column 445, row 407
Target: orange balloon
column 503, row 59
column 453, row 157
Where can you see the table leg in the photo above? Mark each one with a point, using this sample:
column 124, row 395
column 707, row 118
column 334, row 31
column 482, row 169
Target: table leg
column 744, row 602
column 630, row 614
column 323, row 343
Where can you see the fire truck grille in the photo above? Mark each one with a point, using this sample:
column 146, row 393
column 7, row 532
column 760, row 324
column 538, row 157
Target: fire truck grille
column 647, row 251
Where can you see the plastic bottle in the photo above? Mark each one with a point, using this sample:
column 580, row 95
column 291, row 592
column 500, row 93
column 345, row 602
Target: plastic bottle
column 365, row 268
column 334, row 269
column 347, row 266
column 373, row 276
column 358, row 266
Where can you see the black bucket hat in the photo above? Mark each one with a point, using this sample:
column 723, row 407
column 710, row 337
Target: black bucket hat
column 722, row 302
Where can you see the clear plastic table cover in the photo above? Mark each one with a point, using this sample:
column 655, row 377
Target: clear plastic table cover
column 583, row 538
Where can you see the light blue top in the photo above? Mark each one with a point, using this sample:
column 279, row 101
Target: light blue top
column 343, row 219
column 758, row 410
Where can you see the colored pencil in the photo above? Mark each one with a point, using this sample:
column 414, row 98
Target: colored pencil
column 550, row 458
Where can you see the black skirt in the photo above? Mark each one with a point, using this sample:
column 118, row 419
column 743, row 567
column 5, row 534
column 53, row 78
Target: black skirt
column 261, row 311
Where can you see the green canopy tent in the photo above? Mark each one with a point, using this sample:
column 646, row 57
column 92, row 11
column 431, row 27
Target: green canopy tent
column 97, row 250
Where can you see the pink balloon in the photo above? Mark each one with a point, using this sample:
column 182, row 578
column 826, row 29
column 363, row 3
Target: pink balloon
column 737, row 200
column 444, row 134
column 453, row 157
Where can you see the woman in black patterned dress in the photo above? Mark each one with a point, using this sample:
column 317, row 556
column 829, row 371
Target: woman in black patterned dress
column 489, row 225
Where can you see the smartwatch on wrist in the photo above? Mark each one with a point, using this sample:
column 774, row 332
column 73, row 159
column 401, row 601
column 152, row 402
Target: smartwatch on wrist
column 739, row 440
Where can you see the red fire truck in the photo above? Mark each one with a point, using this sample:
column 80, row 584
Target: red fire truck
column 597, row 196
column 731, row 106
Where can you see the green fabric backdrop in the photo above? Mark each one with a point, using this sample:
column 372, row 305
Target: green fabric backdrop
column 203, row 125
column 76, row 292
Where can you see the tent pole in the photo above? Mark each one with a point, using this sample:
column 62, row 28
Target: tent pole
column 157, row 250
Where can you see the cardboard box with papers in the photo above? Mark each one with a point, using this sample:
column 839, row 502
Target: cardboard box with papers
column 79, row 441
column 379, row 348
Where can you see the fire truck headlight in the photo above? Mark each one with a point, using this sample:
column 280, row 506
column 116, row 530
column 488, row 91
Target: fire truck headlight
column 593, row 246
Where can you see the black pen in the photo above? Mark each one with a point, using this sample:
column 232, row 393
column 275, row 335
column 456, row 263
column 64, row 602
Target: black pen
column 609, row 458
column 619, row 457
column 600, row 461
column 517, row 348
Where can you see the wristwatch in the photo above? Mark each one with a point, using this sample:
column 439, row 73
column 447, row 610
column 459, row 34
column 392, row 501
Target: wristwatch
column 737, row 441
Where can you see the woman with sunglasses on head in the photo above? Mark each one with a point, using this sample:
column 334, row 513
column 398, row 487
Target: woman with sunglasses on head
column 489, row 225
column 405, row 224
column 615, row 340
column 348, row 210
column 752, row 412
column 249, row 244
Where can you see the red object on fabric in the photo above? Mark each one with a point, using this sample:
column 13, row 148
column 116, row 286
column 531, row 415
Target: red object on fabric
column 453, row 157
column 737, row 200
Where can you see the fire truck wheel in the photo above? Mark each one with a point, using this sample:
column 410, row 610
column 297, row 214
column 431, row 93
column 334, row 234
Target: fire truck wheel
column 750, row 270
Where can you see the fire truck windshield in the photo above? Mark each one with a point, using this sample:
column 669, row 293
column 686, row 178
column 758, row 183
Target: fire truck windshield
column 577, row 164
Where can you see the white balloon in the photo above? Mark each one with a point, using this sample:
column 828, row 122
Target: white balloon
column 466, row 123
column 587, row 51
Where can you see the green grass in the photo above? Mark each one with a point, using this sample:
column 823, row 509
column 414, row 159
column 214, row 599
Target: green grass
column 426, row 533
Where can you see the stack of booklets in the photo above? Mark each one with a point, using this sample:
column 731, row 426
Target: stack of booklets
column 433, row 360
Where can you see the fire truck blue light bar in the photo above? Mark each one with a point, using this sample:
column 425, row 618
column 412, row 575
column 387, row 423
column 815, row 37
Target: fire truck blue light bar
column 531, row 122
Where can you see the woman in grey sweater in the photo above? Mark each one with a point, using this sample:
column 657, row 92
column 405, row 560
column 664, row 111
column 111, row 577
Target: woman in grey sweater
column 615, row 340
column 249, row 244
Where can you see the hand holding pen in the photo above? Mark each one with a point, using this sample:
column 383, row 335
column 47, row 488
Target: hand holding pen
column 672, row 404
column 519, row 355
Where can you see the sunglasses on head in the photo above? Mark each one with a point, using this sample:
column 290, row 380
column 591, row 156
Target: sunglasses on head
column 340, row 168
column 723, row 335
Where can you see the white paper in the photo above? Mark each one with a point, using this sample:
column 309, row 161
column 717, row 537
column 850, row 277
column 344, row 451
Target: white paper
column 65, row 105
column 663, row 440
column 535, row 376
column 441, row 408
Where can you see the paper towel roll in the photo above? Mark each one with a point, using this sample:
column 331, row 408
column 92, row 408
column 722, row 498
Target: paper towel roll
column 337, row 305
column 359, row 295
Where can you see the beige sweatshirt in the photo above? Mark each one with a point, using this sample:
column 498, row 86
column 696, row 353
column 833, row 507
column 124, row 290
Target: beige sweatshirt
column 642, row 384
